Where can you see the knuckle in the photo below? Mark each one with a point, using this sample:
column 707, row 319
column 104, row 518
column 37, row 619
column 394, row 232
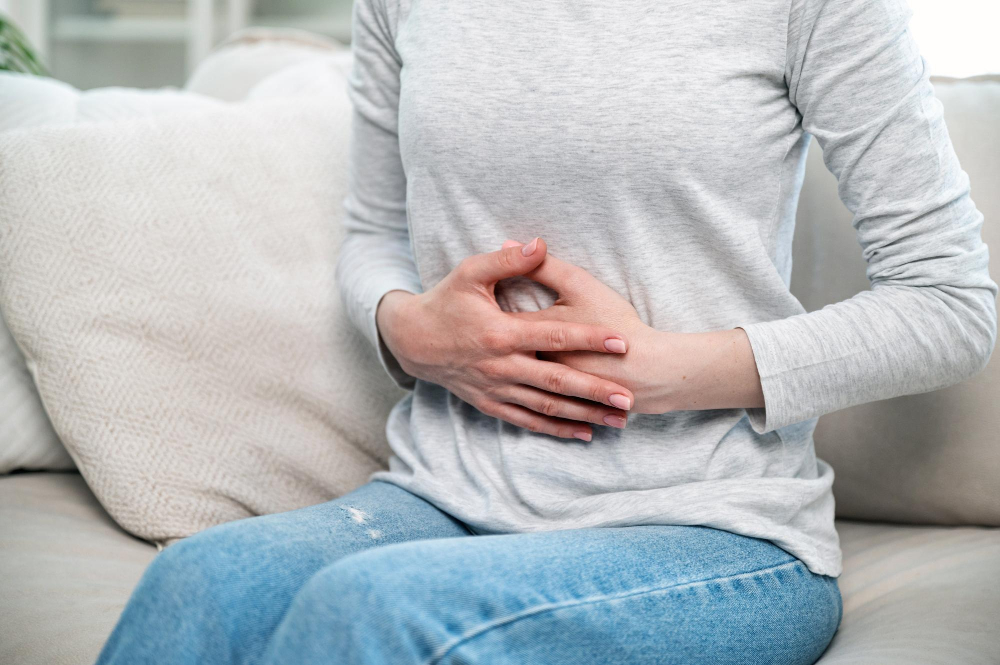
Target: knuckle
column 534, row 425
column 487, row 407
column 464, row 267
column 548, row 406
column 556, row 382
column 505, row 259
column 557, row 338
column 495, row 339
column 490, row 368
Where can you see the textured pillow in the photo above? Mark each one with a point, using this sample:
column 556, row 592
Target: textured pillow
column 27, row 440
column 171, row 281
column 932, row 458
column 32, row 101
column 254, row 63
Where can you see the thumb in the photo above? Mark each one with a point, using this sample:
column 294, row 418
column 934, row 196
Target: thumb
column 510, row 261
column 562, row 277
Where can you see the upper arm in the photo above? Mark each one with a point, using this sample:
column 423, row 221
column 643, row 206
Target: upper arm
column 856, row 76
column 376, row 198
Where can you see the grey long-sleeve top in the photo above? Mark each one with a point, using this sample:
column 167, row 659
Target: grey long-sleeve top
column 661, row 146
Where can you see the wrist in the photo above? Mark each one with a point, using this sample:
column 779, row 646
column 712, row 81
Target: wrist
column 659, row 389
column 712, row 370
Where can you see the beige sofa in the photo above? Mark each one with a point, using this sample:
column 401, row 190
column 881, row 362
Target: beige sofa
column 913, row 594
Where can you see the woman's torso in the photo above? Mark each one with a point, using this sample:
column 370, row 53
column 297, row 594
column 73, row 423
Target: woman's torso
column 653, row 144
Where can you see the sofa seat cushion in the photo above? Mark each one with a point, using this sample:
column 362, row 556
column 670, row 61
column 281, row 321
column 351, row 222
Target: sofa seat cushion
column 912, row 595
column 67, row 570
column 918, row 596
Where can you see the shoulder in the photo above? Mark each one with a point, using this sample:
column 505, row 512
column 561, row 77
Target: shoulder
column 827, row 28
column 807, row 16
column 387, row 14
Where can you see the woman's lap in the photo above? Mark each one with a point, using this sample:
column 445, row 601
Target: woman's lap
column 650, row 594
column 380, row 576
column 217, row 596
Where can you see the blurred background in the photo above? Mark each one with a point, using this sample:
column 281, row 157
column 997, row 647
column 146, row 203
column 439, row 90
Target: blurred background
column 151, row 43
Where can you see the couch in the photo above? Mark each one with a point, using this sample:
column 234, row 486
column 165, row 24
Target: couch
column 922, row 592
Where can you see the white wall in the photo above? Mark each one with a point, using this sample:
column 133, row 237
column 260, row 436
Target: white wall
column 958, row 37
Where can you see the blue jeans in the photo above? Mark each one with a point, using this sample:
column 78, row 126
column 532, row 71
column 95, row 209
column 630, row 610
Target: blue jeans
column 382, row 576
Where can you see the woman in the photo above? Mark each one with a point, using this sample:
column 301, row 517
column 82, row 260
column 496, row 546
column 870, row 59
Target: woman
column 625, row 474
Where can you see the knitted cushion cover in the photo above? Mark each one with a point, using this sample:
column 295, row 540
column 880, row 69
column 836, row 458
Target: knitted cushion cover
column 27, row 440
column 255, row 63
column 170, row 280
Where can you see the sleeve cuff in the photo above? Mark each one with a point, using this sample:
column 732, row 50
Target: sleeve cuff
column 369, row 267
column 385, row 357
column 779, row 408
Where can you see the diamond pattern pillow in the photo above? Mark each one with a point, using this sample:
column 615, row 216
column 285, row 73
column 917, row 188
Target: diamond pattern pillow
column 171, row 282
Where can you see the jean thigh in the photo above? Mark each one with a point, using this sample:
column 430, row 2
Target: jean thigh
column 217, row 596
column 724, row 600
column 649, row 594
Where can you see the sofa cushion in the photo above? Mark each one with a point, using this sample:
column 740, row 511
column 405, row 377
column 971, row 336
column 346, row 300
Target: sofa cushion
column 170, row 280
column 234, row 71
column 67, row 570
column 912, row 595
column 931, row 458
column 27, row 439
column 918, row 596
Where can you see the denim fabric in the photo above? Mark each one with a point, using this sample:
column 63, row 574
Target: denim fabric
column 382, row 576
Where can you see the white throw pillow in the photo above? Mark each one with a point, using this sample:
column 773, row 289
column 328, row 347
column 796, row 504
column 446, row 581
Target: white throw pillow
column 27, row 440
column 171, row 280
column 251, row 63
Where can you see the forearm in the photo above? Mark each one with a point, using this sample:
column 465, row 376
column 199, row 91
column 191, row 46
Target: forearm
column 712, row 370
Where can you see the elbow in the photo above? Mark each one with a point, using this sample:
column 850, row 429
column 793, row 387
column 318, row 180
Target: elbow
column 986, row 343
column 958, row 329
column 978, row 339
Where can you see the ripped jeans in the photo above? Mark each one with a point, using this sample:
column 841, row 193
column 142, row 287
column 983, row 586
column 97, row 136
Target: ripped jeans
column 382, row 576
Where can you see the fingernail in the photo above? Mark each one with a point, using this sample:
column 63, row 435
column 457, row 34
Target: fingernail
column 528, row 250
column 614, row 345
column 614, row 421
column 583, row 436
column 620, row 401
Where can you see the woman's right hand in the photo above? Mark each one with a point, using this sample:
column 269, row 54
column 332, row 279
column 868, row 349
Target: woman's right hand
column 456, row 335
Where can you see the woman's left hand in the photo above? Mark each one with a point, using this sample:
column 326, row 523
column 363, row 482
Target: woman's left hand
column 585, row 299
column 665, row 371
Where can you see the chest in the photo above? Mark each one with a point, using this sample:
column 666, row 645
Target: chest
column 515, row 93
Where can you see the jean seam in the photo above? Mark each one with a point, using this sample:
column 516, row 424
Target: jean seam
column 551, row 607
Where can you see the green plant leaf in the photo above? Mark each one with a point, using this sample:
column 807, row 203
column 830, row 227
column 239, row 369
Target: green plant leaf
column 16, row 54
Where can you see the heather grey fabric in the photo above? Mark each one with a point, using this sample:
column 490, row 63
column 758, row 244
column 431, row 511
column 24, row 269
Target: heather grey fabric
column 931, row 458
column 661, row 147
